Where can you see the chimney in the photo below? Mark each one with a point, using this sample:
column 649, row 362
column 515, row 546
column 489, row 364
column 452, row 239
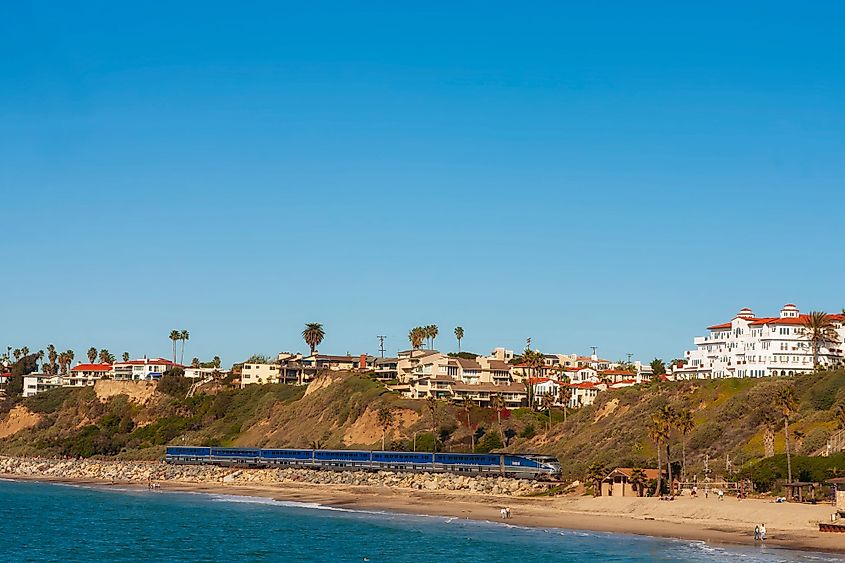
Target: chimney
column 362, row 361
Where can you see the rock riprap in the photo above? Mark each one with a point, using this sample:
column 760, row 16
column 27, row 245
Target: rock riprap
column 142, row 472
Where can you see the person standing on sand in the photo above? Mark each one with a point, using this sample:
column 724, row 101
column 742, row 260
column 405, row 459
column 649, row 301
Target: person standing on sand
column 762, row 532
column 756, row 533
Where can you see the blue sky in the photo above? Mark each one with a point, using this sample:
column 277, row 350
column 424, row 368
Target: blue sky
column 618, row 174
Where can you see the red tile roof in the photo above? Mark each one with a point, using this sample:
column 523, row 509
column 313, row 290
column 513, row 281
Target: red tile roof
column 91, row 367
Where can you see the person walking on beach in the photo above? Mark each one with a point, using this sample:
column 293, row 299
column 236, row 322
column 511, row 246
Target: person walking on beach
column 756, row 533
column 762, row 532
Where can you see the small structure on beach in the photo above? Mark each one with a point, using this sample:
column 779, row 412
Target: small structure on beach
column 620, row 482
column 839, row 485
column 800, row 491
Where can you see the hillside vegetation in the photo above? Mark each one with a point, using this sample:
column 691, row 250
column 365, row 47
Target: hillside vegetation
column 734, row 422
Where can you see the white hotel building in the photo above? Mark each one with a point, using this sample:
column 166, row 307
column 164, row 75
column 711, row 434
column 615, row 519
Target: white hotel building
column 750, row 346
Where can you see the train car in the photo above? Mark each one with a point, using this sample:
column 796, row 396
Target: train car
column 403, row 461
column 342, row 458
column 187, row 454
column 286, row 457
column 236, row 456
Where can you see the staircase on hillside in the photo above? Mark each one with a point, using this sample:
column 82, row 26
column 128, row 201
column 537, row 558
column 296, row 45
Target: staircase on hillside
column 197, row 385
column 836, row 443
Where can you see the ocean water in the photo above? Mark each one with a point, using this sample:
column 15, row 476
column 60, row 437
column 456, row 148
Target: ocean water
column 51, row 522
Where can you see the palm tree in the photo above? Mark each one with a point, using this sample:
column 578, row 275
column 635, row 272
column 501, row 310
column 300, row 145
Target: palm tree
column 92, row 355
column 666, row 415
column 638, row 480
column 498, row 403
column 432, row 409
column 61, row 359
column 183, row 336
column 68, row 360
column 385, row 421
column 657, row 432
column 25, row 351
column 787, row 404
column 595, row 475
column 684, row 424
column 195, row 363
column 432, row 334
column 17, row 354
column 459, row 335
column 52, row 357
column 564, row 396
column 126, row 356
column 313, row 335
column 174, row 336
column 533, row 361
column 469, row 425
column 548, row 403
column 216, row 362
column 416, row 336
column 820, row 331
column 106, row 357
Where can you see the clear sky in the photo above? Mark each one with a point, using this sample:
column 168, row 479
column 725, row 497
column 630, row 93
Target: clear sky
column 618, row 174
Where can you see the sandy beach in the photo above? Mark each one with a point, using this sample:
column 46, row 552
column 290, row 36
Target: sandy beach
column 726, row 522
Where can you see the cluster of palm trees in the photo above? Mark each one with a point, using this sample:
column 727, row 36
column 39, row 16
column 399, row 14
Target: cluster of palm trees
column 664, row 422
column 57, row 362
column 421, row 335
column 179, row 336
column 103, row 355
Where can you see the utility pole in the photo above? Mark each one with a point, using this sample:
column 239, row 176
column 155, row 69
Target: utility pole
column 381, row 344
column 629, row 358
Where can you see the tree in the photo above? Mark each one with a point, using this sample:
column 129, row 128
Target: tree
column 216, row 362
column 195, row 363
column 385, row 421
column 184, row 336
column 666, row 416
column 313, row 335
column 533, row 361
column 469, row 425
column 432, row 334
column 459, row 335
column 175, row 335
column 416, row 337
column 658, row 367
column 657, row 432
column 52, row 357
column 126, row 356
column 548, row 402
column 106, row 357
column 432, row 409
column 638, row 480
column 92, row 355
column 820, row 332
column 787, row 404
column 684, row 424
column 68, row 360
column 498, row 403
column 839, row 412
column 596, row 473
column 564, row 396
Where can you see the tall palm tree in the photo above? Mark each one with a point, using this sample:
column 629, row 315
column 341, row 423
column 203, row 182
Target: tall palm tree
column 92, row 355
column 432, row 334
column 432, row 409
column 533, row 361
column 52, row 357
column 195, row 363
column 820, row 332
column 564, row 394
column 61, row 358
column 684, row 424
column 498, row 403
column 126, row 356
column 106, row 357
column 313, row 335
column 68, row 360
column 666, row 415
column 385, row 421
column 175, row 335
column 25, row 351
column 657, row 432
column 416, row 337
column 787, row 404
column 548, row 403
column 184, row 336
column 459, row 335
column 17, row 354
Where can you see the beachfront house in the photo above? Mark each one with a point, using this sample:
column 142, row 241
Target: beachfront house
column 618, row 482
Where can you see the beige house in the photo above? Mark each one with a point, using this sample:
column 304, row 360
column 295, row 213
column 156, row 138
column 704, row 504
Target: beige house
column 618, row 482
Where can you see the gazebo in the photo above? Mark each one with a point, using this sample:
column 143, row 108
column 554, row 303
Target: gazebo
column 800, row 490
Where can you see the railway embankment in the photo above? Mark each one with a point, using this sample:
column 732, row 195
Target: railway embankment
column 144, row 472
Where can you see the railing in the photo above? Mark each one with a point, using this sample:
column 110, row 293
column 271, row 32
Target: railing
column 836, row 443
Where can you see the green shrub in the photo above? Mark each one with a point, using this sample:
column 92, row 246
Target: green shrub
column 491, row 441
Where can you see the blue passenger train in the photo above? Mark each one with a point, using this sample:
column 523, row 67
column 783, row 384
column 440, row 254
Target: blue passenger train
column 514, row 465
